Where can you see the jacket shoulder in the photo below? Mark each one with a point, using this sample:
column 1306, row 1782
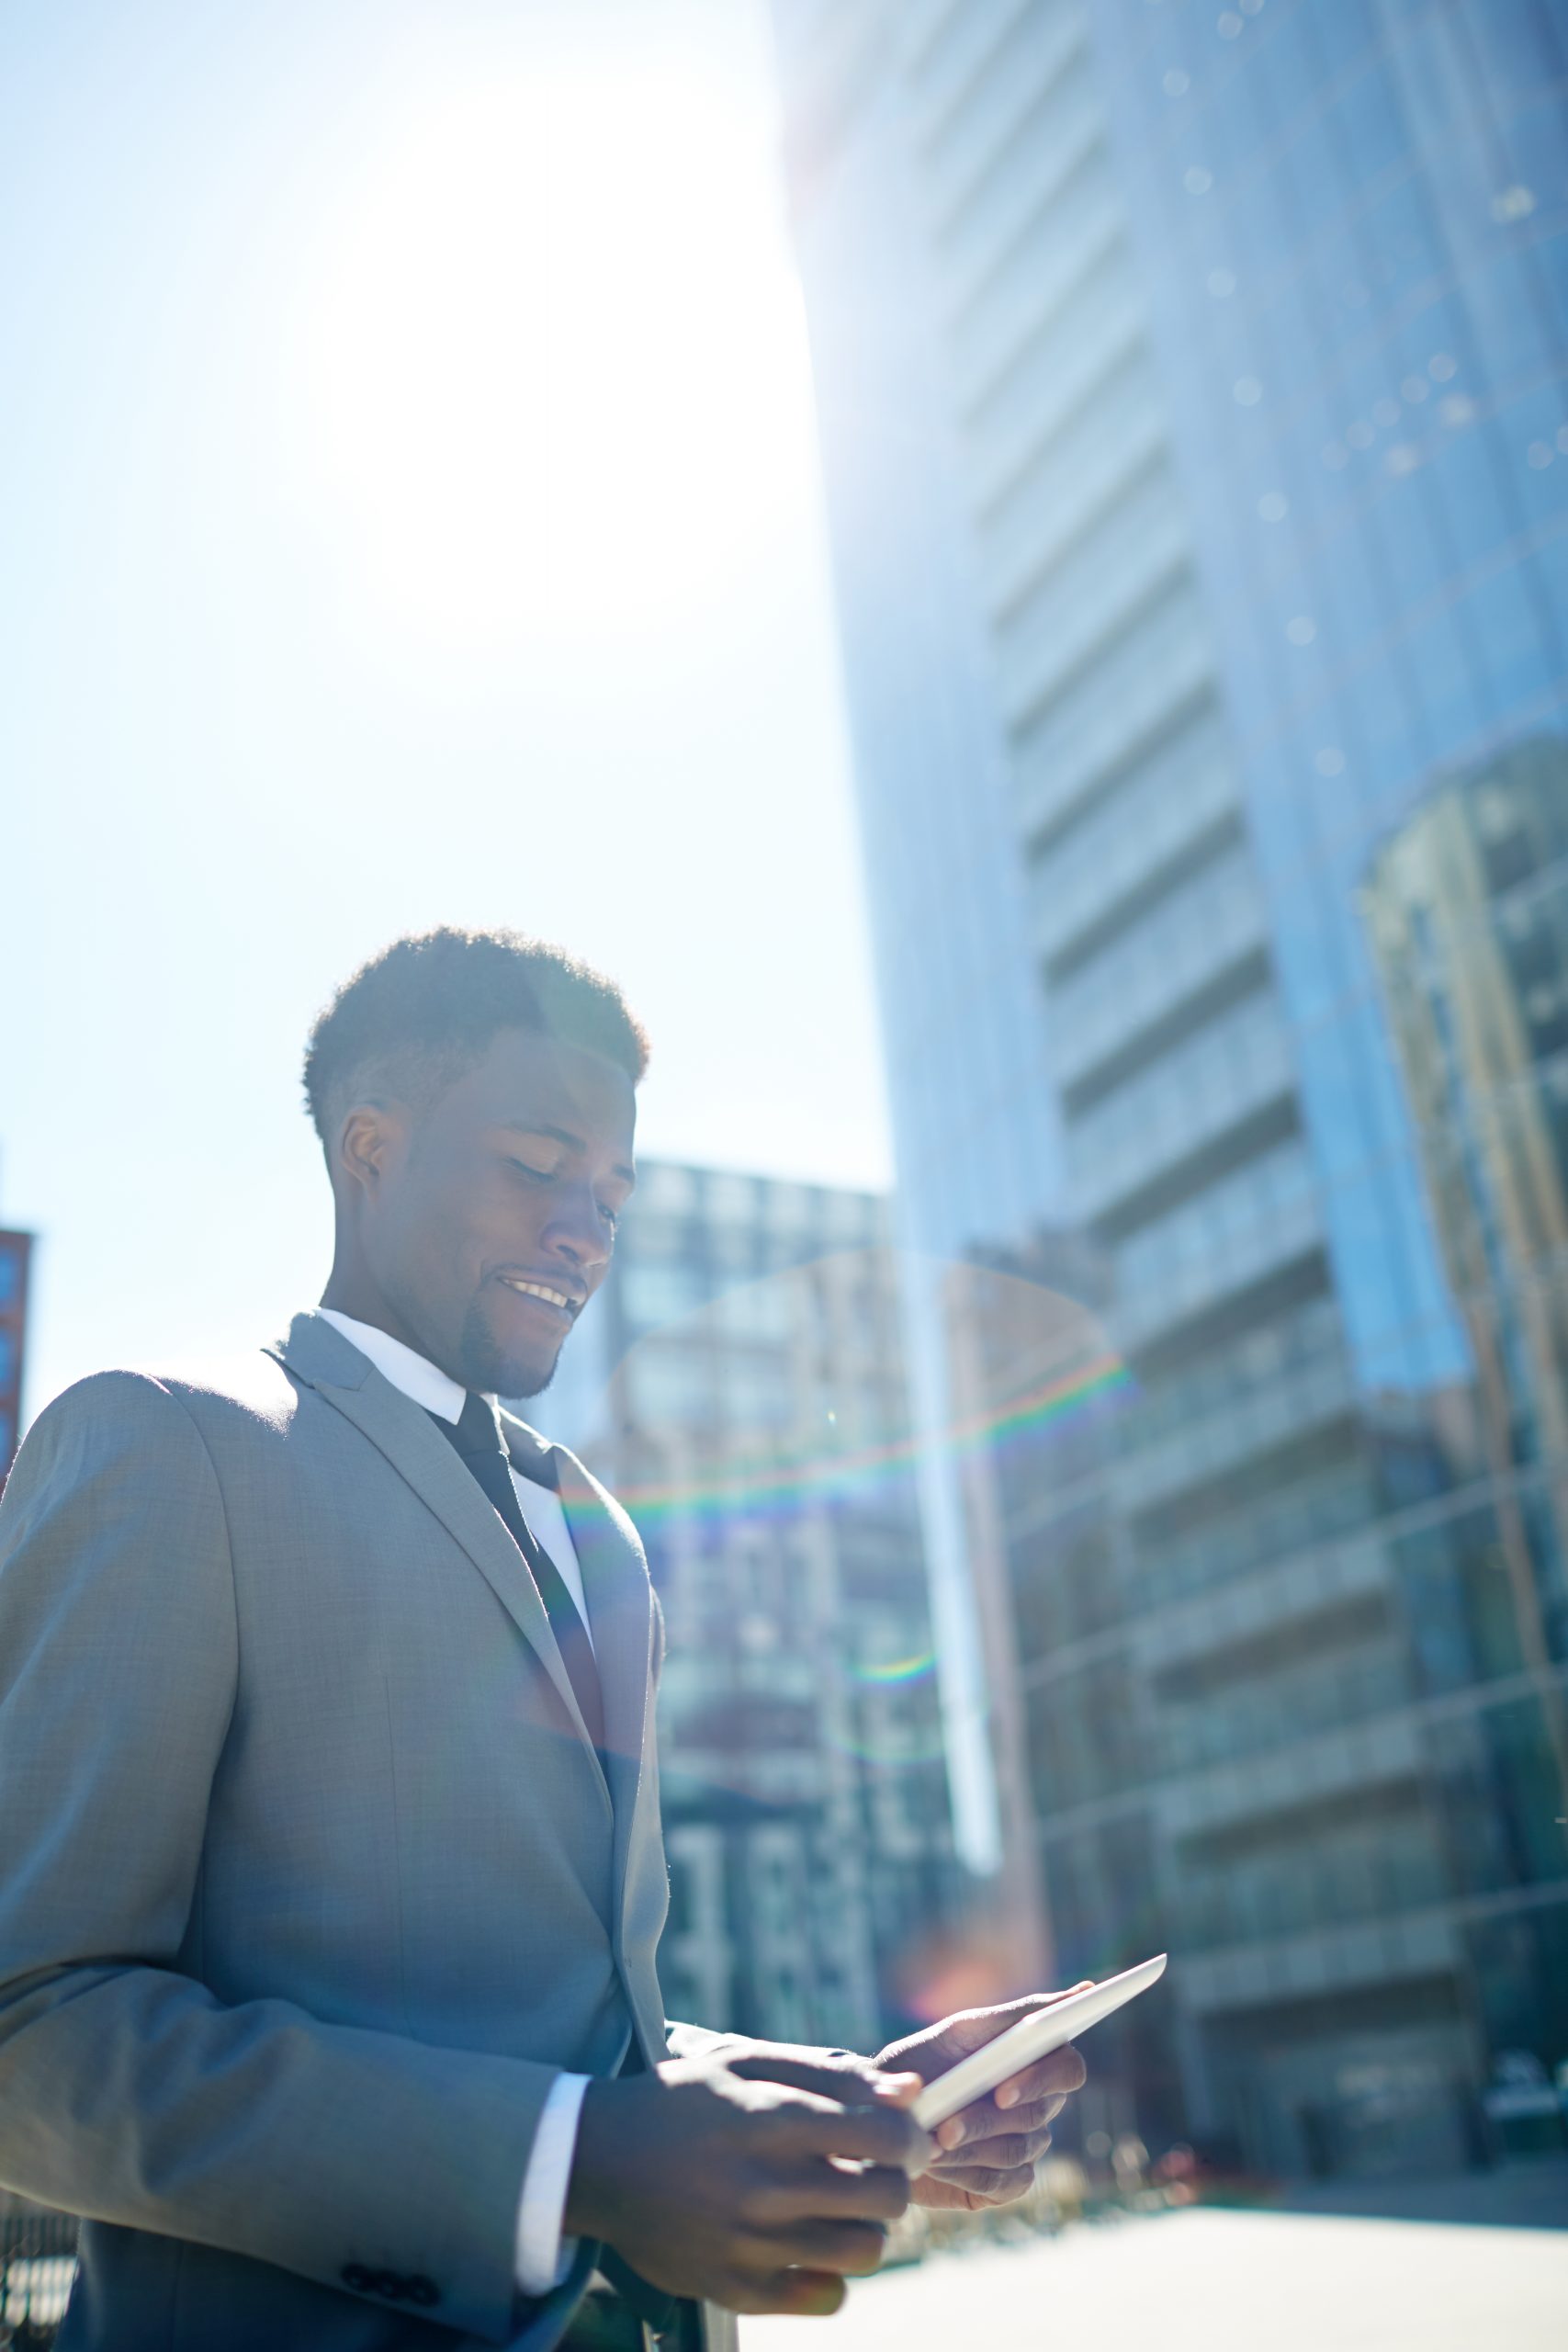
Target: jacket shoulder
column 580, row 1480
column 250, row 1387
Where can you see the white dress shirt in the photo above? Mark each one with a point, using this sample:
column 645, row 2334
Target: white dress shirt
column 543, row 2256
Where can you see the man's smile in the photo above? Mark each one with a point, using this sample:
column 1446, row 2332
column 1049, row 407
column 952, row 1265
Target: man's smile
column 551, row 1297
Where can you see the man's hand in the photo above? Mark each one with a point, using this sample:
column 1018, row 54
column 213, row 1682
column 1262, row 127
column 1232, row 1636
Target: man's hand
column 987, row 2152
column 841, row 2074
column 755, row 2194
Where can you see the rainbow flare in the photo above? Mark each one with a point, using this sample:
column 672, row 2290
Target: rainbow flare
column 898, row 1669
column 771, row 1488
column 775, row 1489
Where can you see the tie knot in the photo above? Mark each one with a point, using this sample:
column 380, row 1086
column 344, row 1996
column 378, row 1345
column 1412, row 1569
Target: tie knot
column 478, row 1430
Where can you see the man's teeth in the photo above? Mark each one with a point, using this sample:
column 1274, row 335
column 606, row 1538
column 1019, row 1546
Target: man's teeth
column 537, row 1290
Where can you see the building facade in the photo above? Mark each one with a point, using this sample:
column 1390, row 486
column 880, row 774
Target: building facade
column 1468, row 905
column 1226, row 358
column 16, row 1255
column 739, row 1381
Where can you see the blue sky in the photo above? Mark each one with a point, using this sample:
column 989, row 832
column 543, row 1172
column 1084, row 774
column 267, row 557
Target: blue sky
column 411, row 516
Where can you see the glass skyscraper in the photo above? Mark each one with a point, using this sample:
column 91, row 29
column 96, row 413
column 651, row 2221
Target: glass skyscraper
column 1193, row 394
column 16, row 1251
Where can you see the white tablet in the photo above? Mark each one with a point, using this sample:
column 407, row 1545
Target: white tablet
column 1033, row 2036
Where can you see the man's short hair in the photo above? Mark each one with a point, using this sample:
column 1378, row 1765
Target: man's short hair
column 416, row 1017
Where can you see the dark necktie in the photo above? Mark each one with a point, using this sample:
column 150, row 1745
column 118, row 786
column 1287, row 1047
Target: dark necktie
column 477, row 1437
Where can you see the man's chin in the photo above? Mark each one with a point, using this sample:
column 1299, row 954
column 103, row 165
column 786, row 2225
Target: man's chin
column 498, row 1370
column 518, row 1380
column 502, row 1374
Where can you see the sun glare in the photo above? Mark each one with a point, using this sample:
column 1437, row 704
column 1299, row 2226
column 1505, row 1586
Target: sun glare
column 554, row 372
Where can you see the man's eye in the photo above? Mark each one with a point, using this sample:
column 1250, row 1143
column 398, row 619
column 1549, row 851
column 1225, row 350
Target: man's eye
column 527, row 1167
column 611, row 1216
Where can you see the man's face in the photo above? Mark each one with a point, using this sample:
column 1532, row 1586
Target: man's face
column 488, row 1221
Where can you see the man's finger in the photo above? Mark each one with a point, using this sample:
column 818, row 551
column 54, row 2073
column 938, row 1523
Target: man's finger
column 983, row 2117
column 1006, row 2150
column 998, row 2184
column 878, row 2135
column 1061, row 2071
column 820, row 2188
column 971, row 2126
column 846, row 2078
column 804, row 2294
column 854, row 2249
column 859, row 2192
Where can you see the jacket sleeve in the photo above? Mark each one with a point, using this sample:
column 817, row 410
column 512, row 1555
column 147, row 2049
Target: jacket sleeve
column 127, row 2092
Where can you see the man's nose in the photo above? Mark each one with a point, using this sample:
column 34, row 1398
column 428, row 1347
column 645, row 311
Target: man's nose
column 577, row 1225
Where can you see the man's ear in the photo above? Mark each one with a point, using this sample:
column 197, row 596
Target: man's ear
column 366, row 1140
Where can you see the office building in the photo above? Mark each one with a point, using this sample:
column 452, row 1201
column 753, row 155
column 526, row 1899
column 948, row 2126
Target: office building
column 16, row 1253
column 1192, row 401
column 1469, row 911
column 739, row 1381
column 1038, row 1393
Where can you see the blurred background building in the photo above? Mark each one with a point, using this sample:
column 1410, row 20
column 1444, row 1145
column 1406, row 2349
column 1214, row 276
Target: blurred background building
column 739, row 1383
column 16, row 1253
column 1192, row 400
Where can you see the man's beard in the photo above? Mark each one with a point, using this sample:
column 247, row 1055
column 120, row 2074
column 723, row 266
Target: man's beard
column 489, row 1369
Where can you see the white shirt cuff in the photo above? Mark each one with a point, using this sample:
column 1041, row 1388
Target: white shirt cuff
column 543, row 2257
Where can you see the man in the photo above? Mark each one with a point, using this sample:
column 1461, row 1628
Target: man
column 330, row 1871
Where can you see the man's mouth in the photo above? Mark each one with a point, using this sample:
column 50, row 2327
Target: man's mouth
column 552, row 1297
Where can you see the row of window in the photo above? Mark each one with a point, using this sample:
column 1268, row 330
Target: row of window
column 967, row 128
column 1071, row 476
column 1115, row 711
column 1220, row 1075
column 1045, row 186
column 1291, row 1516
column 950, row 44
column 1184, row 787
column 1239, row 1444
column 1056, row 339
column 1359, row 1874
column 1111, row 570
column 1248, row 1719
column 1261, row 1217
column 1222, row 1378
column 1197, row 931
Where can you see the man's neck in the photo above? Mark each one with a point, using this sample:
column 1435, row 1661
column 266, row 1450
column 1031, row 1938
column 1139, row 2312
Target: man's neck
column 352, row 1295
column 406, row 1367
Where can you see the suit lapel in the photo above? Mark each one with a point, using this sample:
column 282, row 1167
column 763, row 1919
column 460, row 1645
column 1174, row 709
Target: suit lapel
column 620, row 1604
column 403, row 1431
column 623, row 1620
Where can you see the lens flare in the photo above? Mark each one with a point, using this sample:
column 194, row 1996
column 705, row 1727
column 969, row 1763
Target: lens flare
column 770, row 1489
column 898, row 1669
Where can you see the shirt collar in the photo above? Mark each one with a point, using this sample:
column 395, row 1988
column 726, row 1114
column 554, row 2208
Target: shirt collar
column 414, row 1374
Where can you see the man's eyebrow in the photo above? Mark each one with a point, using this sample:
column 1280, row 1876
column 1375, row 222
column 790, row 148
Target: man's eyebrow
column 573, row 1143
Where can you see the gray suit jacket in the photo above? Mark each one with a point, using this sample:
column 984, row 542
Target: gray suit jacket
column 311, row 1879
